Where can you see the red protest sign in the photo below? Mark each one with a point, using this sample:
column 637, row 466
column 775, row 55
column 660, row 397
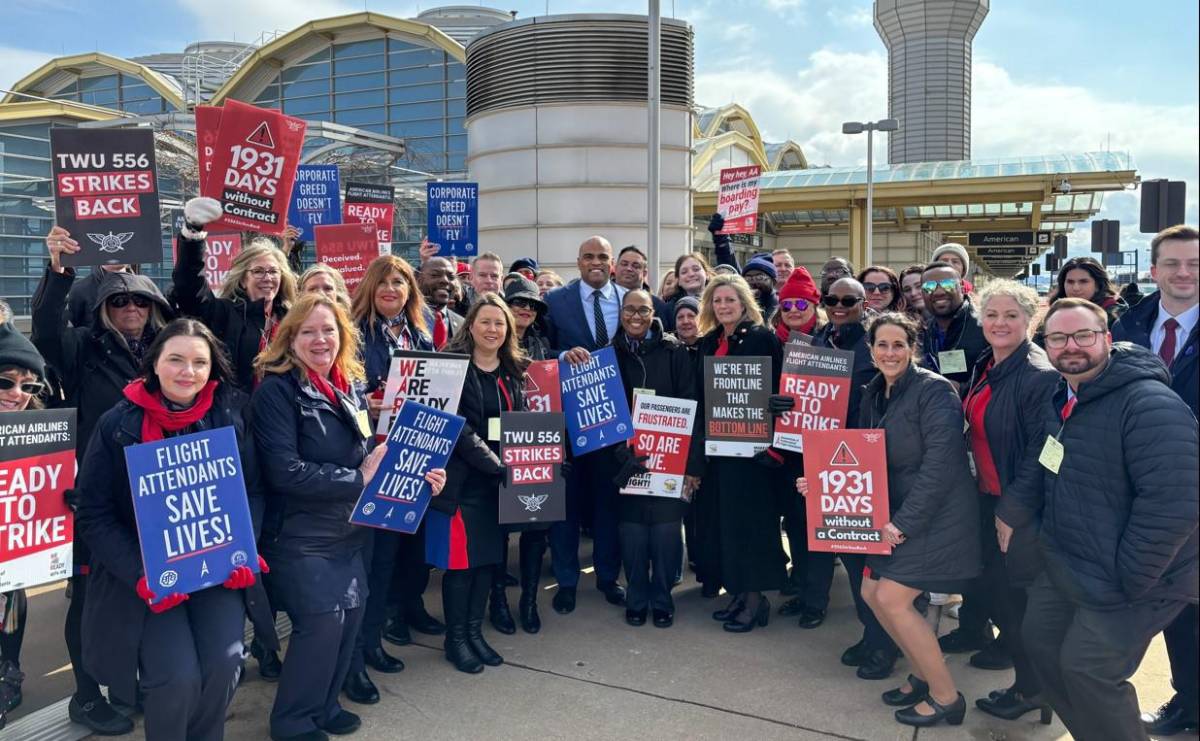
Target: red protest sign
column 847, row 501
column 219, row 251
column 818, row 378
column 347, row 248
column 737, row 199
column 543, row 391
column 371, row 203
column 208, row 124
column 253, row 167
column 662, row 430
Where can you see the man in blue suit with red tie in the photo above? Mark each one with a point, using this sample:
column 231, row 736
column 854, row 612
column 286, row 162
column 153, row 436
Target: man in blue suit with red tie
column 583, row 316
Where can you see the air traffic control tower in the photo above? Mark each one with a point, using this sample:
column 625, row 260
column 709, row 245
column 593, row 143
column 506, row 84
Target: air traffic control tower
column 929, row 75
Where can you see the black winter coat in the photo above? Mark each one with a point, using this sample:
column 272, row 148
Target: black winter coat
column 1135, row 326
column 1118, row 521
column 849, row 337
column 81, row 301
column 113, row 613
column 238, row 322
column 964, row 333
column 931, row 492
column 309, row 451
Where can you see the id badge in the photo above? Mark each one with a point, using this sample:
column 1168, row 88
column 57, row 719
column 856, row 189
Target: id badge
column 1051, row 457
column 643, row 392
column 493, row 431
column 364, row 423
column 952, row 361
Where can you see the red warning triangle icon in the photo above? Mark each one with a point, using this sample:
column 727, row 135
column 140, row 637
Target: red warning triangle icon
column 843, row 457
column 262, row 136
column 531, row 384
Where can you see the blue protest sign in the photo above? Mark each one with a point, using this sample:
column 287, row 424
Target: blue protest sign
column 397, row 496
column 193, row 520
column 315, row 199
column 593, row 401
column 452, row 220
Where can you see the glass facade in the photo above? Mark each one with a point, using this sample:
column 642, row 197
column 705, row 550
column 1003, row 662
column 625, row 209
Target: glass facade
column 119, row 91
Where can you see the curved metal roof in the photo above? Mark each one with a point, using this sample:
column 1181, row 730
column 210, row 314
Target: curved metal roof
column 61, row 71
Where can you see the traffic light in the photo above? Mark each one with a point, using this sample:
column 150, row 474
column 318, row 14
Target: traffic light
column 1106, row 235
column 1036, row 268
column 1060, row 247
column 1051, row 263
column 1163, row 204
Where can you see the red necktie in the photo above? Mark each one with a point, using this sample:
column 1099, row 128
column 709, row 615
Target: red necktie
column 1166, row 350
column 1069, row 407
column 439, row 330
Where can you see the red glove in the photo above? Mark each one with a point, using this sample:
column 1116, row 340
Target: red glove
column 171, row 600
column 240, row 578
column 262, row 565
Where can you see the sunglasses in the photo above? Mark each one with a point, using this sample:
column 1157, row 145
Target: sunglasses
column 946, row 284
column 520, row 303
column 29, row 387
column 794, row 304
column 877, row 287
column 121, row 300
column 845, row 301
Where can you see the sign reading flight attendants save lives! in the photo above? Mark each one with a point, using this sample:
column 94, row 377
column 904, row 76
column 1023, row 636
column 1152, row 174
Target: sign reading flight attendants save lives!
column 593, row 400
column 662, row 430
column 737, row 199
column 531, row 446
column 37, row 464
column 434, row 379
column 374, row 204
column 106, row 195
column 348, row 249
column 736, row 422
column 452, row 220
column 818, row 378
column 543, row 392
column 398, row 495
column 847, row 500
column 253, row 167
column 193, row 520
column 315, row 199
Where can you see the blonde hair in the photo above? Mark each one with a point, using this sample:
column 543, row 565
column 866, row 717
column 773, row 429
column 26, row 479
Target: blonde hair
column 363, row 306
column 231, row 287
column 558, row 279
column 278, row 357
column 708, row 319
column 339, row 283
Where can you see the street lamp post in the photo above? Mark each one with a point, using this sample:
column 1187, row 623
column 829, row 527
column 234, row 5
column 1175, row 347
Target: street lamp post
column 858, row 127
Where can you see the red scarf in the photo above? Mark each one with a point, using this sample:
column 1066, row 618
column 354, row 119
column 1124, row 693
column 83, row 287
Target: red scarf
column 783, row 333
column 323, row 385
column 157, row 419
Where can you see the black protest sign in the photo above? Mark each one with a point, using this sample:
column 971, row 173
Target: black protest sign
column 531, row 447
column 106, row 195
column 736, row 422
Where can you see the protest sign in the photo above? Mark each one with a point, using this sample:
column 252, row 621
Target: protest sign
column 434, row 379
column 398, row 495
column 253, row 167
column 106, row 195
column 452, row 220
column 662, row 429
column 315, row 199
column 219, row 251
column 818, row 378
column 542, row 390
column 593, row 400
column 193, row 520
column 374, row 204
column 348, row 249
column 735, row 410
column 737, row 199
column 208, row 124
column 847, row 501
column 37, row 464
column 531, row 446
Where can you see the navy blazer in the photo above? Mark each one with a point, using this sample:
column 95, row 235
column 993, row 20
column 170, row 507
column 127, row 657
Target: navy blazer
column 566, row 325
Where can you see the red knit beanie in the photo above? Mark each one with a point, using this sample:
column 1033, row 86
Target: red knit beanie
column 800, row 285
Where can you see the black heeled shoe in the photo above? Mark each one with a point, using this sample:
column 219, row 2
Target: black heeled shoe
column 499, row 613
column 731, row 611
column 382, row 661
column 360, row 689
column 531, row 621
column 952, row 713
column 898, row 698
column 761, row 616
column 1011, row 705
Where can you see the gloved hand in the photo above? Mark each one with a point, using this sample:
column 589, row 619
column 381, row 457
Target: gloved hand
column 768, row 458
column 777, row 404
column 716, row 223
column 501, row 475
column 262, row 565
column 200, row 212
column 631, row 466
column 240, row 578
column 171, row 600
column 71, row 497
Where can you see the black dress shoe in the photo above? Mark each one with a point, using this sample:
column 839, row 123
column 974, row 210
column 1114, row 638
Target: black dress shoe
column 98, row 717
column 635, row 618
column 382, row 661
column 761, row 617
column 730, row 611
column 952, row 713
column 994, row 657
column 794, row 606
column 790, row 589
column 614, row 593
column 710, row 590
column 423, row 622
column 812, row 618
column 343, row 724
column 360, row 689
column 959, row 641
column 663, row 619
column 878, row 665
column 564, row 600
column 1011, row 704
column 499, row 614
column 898, row 698
column 1175, row 716
column 856, row 654
column 397, row 633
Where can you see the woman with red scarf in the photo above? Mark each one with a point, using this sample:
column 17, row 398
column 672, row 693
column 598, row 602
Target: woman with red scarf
column 797, row 310
column 186, row 650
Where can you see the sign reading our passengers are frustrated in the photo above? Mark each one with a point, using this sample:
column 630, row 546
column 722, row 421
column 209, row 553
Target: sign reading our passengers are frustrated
column 662, row 431
column 735, row 411
column 593, row 399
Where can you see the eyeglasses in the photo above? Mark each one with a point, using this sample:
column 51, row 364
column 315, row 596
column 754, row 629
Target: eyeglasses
column 264, row 272
column 121, row 300
column 946, row 284
column 845, row 301
column 757, row 277
column 1083, row 338
column 29, row 387
column 642, row 311
column 794, row 304
column 877, row 287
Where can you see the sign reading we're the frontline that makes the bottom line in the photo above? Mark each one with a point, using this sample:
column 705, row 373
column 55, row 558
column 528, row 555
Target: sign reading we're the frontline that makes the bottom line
column 735, row 405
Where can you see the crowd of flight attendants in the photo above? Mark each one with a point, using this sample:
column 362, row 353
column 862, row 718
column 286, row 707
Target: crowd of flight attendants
column 1042, row 467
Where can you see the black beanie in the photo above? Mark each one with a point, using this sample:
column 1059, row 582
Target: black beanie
column 16, row 349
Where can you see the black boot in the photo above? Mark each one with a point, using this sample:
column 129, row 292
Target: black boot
column 498, row 612
column 456, row 601
column 532, row 552
column 481, row 585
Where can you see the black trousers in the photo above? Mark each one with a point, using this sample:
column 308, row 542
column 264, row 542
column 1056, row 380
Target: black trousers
column 86, row 688
column 314, row 668
column 10, row 643
column 1182, row 649
column 590, row 488
column 189, row 661
column 392, row 577
column 811, row 571
column 651, row 554
column 876, row 638
column 1084, row 658
column 978, row 605
column 1004, row 603
column 410, row 575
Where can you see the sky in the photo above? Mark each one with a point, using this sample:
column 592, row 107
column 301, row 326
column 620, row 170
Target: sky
column 1049, row 76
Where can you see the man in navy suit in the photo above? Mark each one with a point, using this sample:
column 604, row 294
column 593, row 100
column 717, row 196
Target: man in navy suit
column 583, row 316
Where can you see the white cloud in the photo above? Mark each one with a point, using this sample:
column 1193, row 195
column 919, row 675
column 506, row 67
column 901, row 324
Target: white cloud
column 738, row 32
column 15, row 63
column 850, row 15
column 245, row 21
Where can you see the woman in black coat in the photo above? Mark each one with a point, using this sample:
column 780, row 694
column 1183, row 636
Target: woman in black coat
column 185, row 649
column 462, row 527
column 751, row 554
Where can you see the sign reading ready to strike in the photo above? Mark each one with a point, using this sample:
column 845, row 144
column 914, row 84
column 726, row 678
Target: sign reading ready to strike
column 453, row 217
column 847, row 500
column 106, row 195
column 662, row 430
column 372, row 204
column 735, row 411
column 434, row 379
column 193, row 520
column 737, row 199
column 37, row 464
column 531, row 446
column 593, row 400
column 818, row 378
column 315, row 199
